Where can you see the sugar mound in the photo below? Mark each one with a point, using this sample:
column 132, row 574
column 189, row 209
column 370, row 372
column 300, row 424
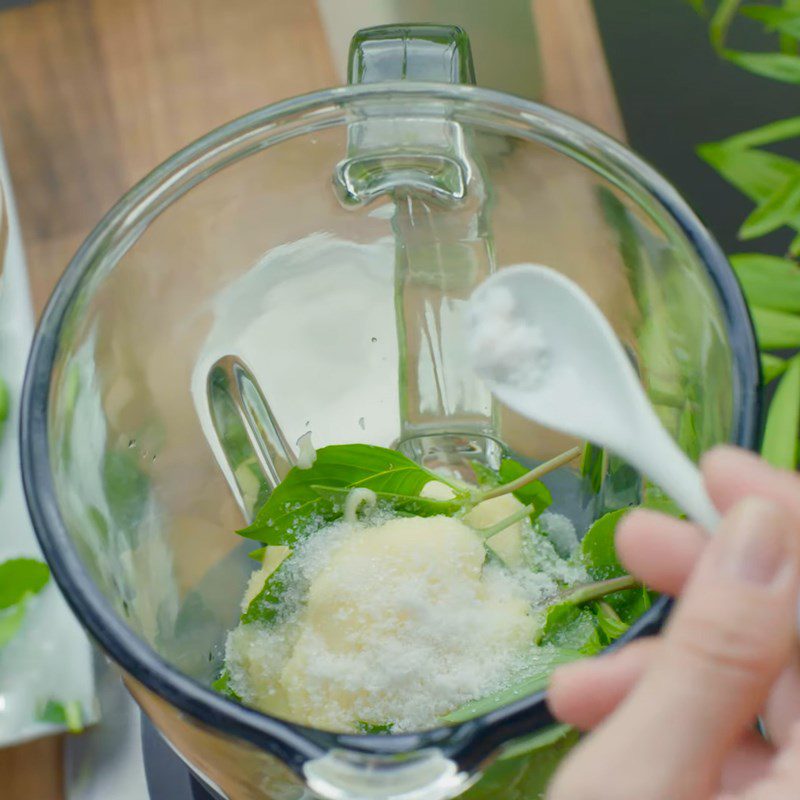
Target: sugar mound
column 399, row 620
column 399, row 625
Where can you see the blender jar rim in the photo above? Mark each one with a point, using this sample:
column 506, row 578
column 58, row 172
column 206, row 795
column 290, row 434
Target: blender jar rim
column 468, row 743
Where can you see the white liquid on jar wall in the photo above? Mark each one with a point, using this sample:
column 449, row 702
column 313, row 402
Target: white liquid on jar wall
column 291, row 322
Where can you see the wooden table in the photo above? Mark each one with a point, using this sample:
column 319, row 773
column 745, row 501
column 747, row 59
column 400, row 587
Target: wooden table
column 94, row 93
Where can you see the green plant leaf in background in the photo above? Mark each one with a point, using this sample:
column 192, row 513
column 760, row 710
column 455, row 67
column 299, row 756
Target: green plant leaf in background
column 20, row 579
column 783, row 420
column 768, row 281
column 780, row 208
column 776, row 330
column 69, row 714
column 721, row 21
column 755, row 173
column 11, row 621
column 771, row 133
column 772, row 367
column 775, row 19
column 399, row 503
column 778, row 66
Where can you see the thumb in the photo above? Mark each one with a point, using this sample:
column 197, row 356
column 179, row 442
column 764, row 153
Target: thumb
column 733, row 630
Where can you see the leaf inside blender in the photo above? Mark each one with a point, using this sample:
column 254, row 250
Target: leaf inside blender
column 393, row 598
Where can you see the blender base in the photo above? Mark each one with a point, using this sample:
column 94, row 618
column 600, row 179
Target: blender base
column 168, row 778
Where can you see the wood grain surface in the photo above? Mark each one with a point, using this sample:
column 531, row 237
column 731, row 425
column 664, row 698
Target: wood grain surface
column 94, row 93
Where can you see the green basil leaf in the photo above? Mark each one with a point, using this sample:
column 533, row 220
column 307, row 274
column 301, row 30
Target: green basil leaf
column 656, row 499
column 223, row 686
column 772, row 367
column 610, row 622
column 485, row 477
column 535, row 493
column 543, row 663
column 779, row 445
column 294, row 501
column 597, row 550
column 594, row 464
column 372, row 728
column 20, row 577
column 571, row 627
column 271, row 600
column 776, row 330
column 630, row 604
column 687, row 436
column 768, row 281
column 778, row 66
column 258, row 554
column 401, row 503
column 780, row 208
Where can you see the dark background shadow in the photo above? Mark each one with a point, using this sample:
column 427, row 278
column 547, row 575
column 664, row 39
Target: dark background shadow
column 676, row 93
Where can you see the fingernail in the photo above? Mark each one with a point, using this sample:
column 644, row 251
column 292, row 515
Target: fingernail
column 757, row 541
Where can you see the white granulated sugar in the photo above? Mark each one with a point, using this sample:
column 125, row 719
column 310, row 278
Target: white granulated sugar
column 504, row 348
column 560, row 531
column 399, row 625
column 542, row 556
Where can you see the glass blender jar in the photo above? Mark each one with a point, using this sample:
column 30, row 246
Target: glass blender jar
column 305, row 268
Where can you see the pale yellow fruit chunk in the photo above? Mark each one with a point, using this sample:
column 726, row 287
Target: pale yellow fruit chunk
column 508, row 543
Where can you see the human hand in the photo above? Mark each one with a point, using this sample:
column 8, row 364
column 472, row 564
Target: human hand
column 673, row 717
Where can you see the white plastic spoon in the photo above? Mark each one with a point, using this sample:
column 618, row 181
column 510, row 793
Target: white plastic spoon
column 547, row 351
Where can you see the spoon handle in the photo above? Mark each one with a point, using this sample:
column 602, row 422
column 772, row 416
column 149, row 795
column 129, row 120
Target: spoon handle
column 671, row 469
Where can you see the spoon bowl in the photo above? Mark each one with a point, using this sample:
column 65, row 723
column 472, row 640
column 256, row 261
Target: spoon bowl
column 546, row 351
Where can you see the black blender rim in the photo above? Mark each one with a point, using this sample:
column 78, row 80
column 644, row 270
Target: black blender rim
column 468, row 742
